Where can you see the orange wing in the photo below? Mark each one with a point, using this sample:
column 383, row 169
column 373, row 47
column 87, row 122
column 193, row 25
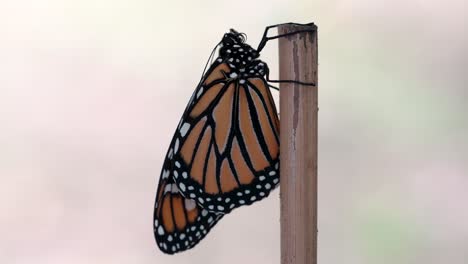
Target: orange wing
column 226, row 149
column 179, row 223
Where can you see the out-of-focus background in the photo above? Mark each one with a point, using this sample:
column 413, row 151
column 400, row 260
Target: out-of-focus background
column 91, row 92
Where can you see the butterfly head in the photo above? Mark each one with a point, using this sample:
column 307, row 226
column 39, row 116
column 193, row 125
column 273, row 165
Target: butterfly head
column 235, row 51
column 235, row 37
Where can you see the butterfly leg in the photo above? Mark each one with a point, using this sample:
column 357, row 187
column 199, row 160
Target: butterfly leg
column 267, row 71
column 265, row 38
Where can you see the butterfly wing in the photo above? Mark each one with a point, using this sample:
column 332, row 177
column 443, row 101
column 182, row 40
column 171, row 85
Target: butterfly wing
column 179, row 222
column 226, row 150
column 224, row 153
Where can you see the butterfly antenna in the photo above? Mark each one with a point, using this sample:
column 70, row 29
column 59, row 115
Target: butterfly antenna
column 209, row 61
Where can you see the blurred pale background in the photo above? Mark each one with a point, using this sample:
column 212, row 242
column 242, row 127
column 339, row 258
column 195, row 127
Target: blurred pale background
column 91, row 92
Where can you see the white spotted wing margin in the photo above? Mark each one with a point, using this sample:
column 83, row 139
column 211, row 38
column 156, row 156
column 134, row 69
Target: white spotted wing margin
column 178, row 222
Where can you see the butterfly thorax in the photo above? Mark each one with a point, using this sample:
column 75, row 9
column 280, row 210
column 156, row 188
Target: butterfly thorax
column 241, row 57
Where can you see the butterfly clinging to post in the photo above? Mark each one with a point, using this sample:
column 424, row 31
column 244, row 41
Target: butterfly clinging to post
column 225, row 151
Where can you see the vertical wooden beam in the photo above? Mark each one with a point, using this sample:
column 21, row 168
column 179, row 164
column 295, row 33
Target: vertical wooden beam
column 298, row 141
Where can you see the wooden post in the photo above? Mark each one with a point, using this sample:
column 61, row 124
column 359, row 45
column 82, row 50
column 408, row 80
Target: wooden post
column 298, row 141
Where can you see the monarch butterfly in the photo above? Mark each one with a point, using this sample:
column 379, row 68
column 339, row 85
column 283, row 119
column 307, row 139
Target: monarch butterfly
column 225, row 151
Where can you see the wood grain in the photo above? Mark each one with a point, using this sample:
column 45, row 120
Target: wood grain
column 298, row 151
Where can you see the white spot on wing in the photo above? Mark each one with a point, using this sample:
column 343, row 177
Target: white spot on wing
column 168, row 188
column 184, row 129
column 182, row 186
column 176, row 146
column 174, row 189
column 200, row 92
column 171, row 152
column 165, row 174
column 160, row 231
column 190, row 204
column 204, row 213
